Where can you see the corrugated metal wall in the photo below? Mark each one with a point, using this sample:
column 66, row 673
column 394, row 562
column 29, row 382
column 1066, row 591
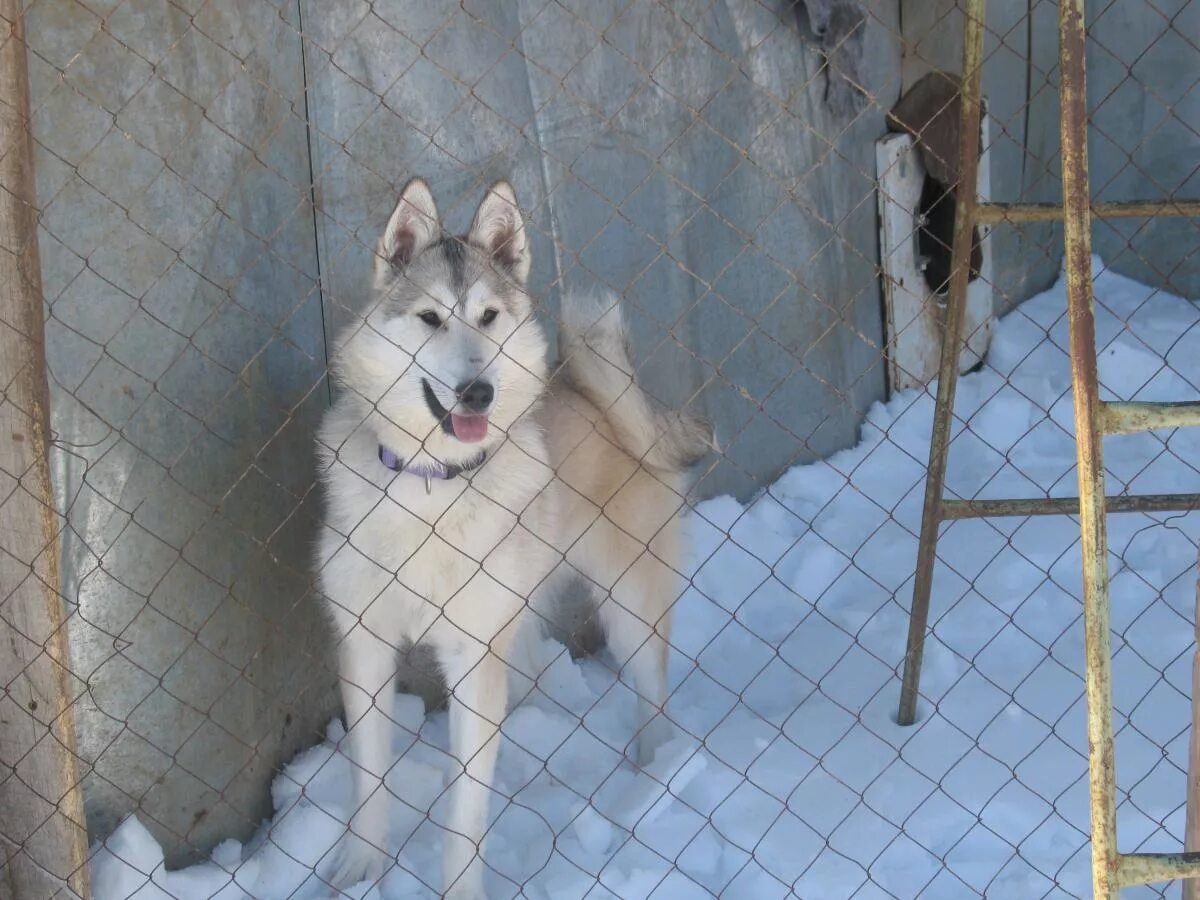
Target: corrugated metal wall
column 187, row 355
column 1145, row 135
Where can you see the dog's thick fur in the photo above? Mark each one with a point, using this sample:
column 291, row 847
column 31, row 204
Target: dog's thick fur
column 582, row 477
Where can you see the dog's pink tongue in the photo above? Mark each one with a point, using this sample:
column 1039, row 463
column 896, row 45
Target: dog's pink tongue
column 469, row 429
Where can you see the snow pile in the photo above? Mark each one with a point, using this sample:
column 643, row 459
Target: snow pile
column 788, row 772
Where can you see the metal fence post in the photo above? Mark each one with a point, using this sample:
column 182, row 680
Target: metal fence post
column 967, row 199
column 42, row 832
column 1088, row 445
column 1191, row 833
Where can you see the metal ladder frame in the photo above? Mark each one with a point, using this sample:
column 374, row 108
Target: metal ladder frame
column 1094, row 418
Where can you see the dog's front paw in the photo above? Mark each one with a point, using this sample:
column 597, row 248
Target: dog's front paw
column 654, row 734
column 355, row 861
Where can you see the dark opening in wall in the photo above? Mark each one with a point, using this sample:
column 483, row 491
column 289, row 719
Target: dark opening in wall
column 935, row 236
column 930, row 111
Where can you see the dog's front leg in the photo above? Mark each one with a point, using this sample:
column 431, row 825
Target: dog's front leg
column 367, row 668
column 478, row 697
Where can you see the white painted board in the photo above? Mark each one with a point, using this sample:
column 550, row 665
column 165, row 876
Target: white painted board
column 914, row 313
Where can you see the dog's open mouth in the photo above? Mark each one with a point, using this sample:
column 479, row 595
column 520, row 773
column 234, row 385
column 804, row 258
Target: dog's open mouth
column 468, row 429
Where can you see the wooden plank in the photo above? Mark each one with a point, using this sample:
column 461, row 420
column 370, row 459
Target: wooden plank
column 43, row 837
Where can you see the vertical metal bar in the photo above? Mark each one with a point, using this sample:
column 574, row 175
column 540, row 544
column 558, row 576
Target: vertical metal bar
column 1089, row 446
column 1191, row 829
column 966, row 199
column 43, row 836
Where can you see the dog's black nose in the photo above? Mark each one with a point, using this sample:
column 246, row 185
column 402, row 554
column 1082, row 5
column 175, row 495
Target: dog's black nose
column 475, row 395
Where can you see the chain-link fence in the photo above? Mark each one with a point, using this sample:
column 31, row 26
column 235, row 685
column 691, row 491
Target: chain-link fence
column 703, row 704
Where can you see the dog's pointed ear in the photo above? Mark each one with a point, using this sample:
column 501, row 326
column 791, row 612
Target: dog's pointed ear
column 499, row 230
column 413, row 225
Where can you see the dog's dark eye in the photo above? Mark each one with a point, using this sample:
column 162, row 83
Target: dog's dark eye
column 430, row 318
column 488, row 317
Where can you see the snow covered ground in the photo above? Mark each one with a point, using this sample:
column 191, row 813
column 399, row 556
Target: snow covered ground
column 789, row 773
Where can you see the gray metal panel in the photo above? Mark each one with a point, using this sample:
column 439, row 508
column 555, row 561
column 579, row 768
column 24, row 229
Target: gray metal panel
column 186, row 351
column 1143, row 142
column 691, row 157
column 1145, row 136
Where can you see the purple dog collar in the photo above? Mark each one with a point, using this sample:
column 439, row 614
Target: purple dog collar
column 429, row 471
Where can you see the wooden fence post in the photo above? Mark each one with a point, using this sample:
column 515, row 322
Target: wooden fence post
column 43, row 836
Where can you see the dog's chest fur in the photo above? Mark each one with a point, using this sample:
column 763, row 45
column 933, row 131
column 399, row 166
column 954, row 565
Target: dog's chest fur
column 464, row 553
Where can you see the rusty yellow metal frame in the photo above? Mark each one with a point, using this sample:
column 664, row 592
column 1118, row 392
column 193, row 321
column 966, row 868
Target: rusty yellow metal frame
column 1001, row 213
column 1066, row 506
column 1130, row 418
column 1094, row 418
column 1089, row 448
column 966, row 203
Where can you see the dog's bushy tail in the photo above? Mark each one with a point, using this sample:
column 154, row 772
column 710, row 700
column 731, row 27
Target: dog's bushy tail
column 594, row 349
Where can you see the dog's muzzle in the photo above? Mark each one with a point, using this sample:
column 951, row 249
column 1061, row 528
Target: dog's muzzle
column 475, row 398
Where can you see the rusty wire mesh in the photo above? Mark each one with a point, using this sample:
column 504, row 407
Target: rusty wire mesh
column 212, row 178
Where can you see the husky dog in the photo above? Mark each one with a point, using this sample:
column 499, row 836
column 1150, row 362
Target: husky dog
column 462, row 478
